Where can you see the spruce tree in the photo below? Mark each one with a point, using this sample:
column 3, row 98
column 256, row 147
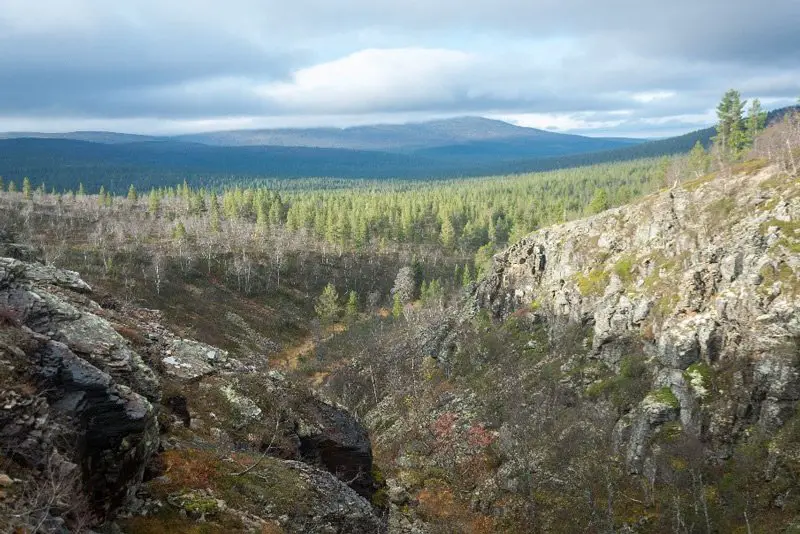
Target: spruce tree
column 351, row 308
column 731, row 135
column 26, row 188
column 397, row 307
column 132, row 195
column 215, row 223
column 698, row 160
column 153, row 203
column 756, row 120
column 327, row 306
column 599, row 202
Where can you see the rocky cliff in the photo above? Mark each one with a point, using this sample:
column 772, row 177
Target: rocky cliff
column 701, row 280
column 108, row 417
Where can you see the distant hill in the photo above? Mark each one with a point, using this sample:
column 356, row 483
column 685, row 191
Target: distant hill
column 438, row 149
column 414, row 136
column 109, row 138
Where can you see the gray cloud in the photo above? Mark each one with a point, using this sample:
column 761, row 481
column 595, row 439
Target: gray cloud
column 78, row 61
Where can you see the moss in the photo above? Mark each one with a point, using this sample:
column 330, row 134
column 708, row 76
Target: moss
column 783, row 273
column 199, row 505
column 380, row 499
column 699, row 376
column 669, row 432
column 272, row 484
column 692, row 185
column 720, row 210
column 664, row 396
column 624, row 269
column 593, row 283
column 626, row 388
column 789, row 229
column 751, row 166
column 170, row 520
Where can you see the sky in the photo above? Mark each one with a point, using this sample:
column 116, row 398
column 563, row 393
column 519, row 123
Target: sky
column 640, row 68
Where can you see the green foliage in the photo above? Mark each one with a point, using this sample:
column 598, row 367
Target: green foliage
column 626, row 388
column 624, row 269
column 592, row 284
column 179, row 232
column 698, row 161
column 133, row 196
column 26, row 188
column 664, row 396
column 351, row 308
column 397, row 307
column 731, row 129
column 327, row 306
column 153, row 203
column 466, row 276
column 599, row 202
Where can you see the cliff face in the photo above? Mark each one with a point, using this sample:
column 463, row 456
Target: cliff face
column 702, row 280
column 108, row 416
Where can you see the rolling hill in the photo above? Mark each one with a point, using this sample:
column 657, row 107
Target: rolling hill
column 467, row 146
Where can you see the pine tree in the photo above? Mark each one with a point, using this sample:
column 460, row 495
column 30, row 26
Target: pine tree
column 599, row 202
column 81, row 191
column 698, row 160
column 179, row 233
column 101, row 197
column 397, row 307
column 448, row 233
column 466, row 278
column 327, row 306
column 756, row 121
column 12, row 187
column 153, row 203
column 215, row 223
column 423, row 292
column 351, row 308
column 26, row 188
column 132, row 195
column 731, row 135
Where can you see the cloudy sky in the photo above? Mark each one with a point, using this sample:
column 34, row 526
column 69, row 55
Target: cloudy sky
column 611, row 67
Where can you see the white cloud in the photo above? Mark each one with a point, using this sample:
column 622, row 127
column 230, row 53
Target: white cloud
column 652, row 96
column 374, row 79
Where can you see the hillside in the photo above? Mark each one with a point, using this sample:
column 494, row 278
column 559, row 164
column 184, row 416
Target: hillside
column 433, row 150
column 358, row 360
column 646, row 357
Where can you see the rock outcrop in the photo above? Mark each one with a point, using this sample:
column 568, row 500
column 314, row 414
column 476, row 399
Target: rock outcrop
column 75, row 399
column 105, row 415
column 703, row 279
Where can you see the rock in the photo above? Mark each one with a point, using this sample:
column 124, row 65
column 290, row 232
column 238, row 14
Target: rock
column 189, row 360
column 684, row 284
column 5, row 480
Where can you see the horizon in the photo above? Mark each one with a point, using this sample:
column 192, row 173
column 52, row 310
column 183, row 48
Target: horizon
column 22, row 133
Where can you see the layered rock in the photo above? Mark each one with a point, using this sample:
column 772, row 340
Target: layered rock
column 75, row 398
column 85, row 395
